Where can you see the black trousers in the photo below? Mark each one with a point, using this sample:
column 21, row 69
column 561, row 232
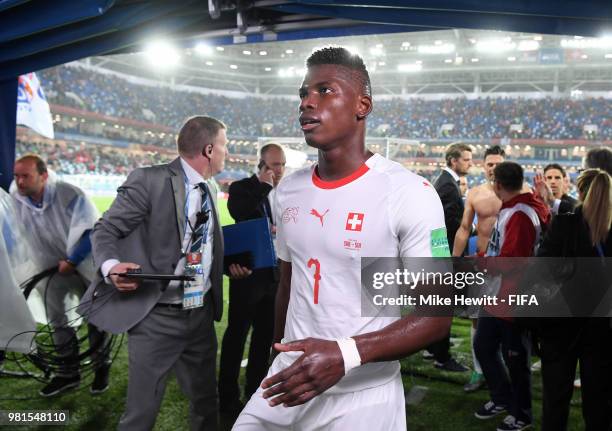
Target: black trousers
column 441, row 349
column 512, row 388
column 591, row 347
column 250, row 305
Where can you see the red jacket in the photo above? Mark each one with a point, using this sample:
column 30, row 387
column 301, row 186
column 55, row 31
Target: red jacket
column 520, row 234
column 516, row 234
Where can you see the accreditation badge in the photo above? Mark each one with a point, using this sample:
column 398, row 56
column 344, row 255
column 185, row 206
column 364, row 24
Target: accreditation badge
column 193, row 291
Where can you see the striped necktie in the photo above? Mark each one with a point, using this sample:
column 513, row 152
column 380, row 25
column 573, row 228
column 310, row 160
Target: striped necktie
column 201, row 227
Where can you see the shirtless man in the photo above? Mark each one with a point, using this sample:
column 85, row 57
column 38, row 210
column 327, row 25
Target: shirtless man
column 481, row 201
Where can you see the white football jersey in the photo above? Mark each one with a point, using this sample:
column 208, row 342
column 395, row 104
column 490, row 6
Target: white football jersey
column 324, row 228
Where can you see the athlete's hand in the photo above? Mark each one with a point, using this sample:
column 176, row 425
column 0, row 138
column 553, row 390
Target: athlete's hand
column 122, row 283
column 65, row 267
column 318, row 369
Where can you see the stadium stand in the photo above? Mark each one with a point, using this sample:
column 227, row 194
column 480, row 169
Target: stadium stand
column 483, row 118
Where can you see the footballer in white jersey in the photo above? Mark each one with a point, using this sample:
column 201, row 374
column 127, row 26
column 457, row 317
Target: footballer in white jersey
column 337, row 370
column 325, row 228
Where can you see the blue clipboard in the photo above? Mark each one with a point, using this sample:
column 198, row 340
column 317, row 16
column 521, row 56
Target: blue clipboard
column 252, row 238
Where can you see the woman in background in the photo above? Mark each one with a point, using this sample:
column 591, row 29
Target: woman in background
column 584, row 340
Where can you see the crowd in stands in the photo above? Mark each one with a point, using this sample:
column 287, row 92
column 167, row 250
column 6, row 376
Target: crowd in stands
column 73, row 159
column 250, row 117
column 89, row 159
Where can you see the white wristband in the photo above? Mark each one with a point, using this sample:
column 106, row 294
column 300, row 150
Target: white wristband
column 350, row 354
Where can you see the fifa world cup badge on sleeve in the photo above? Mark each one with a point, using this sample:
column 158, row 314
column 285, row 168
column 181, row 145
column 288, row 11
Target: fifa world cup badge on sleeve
column 439, row 243
column 193, row 291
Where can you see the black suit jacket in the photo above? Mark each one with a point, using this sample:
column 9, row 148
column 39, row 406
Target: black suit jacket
column 567, row 204
column 247, row 200
column 450, row 195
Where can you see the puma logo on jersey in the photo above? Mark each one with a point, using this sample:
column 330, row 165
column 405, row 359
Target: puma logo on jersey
column 290, row 214
column 315, row 213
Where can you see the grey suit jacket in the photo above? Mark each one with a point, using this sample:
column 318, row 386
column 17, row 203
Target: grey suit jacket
column 145, row 225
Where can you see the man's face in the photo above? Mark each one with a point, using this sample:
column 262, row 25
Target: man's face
column 275, row 160
column 490, row 162
column 462, row 164
column 331, row 100
column 219, row 152
column 554, row 179
column 29, row 182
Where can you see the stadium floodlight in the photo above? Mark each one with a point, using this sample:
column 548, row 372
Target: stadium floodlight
column 511, row 58
column 381, row 63
column 267, row 69
column 495, row 45
column 233, row 66
column 474, row 60
column 409, row 67
column 161, row 54
column 528, row 45
column 445, row 48
column 220, row 48
column 291, row 72
column 203, row 49
column 288, row 51
column 263, row 52
column 376, row 51
column 608, row 56
column 209, row 63
column 246, row 52
column 448, row 60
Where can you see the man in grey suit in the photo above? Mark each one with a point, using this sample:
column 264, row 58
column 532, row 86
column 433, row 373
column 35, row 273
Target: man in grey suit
column 160, row 214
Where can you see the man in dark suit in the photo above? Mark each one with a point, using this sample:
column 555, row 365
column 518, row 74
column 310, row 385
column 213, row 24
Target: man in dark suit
column 161, row 215
column 251, row 299
column 458, row 163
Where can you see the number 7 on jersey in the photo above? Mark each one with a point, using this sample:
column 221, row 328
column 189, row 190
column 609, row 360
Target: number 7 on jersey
column 317, row 277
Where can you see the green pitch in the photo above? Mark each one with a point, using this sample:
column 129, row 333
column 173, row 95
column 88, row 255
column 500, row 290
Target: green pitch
column 102, row 203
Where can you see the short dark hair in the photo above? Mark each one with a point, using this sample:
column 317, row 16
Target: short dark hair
column 495, row 150
column 340, row 56
column 196, row 134
column 599, row 158
column 41, row 166
column 556, row 166
column 454, row 152
column 509, row 175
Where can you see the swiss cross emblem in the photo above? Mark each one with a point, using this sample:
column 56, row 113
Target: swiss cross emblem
column 354, row 222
